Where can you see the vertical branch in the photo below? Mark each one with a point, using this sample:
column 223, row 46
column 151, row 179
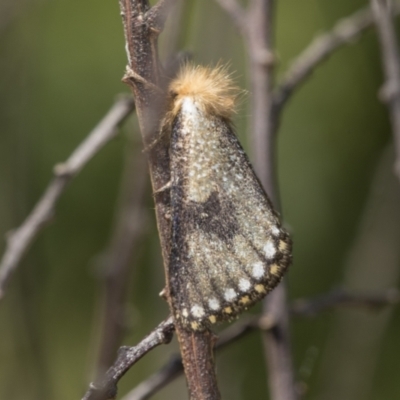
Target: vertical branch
column 141, row 46
column 142, row 26
column 263, row 130
column 255, row 25
column 383, row 15
column 261, row 60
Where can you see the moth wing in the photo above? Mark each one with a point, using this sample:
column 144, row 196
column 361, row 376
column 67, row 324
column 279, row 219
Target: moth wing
column 228, row 249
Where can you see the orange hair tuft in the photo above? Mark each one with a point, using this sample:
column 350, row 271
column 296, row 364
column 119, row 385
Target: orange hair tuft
column 212, row 88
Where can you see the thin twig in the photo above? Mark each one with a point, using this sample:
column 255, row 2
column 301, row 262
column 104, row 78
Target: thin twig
column 299, row 308
column 106, row 387
column 344, row 32
column 390, row 94
column 344, row 298
column 259, row 44
column 19, row 240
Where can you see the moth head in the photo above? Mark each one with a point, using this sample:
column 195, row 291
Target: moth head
column 211, row 89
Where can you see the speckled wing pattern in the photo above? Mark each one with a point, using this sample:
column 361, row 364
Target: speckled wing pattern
column 228, row 248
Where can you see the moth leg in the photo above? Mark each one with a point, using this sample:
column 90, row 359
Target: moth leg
column 164, row 188
column 163, row 294
column 155, row 141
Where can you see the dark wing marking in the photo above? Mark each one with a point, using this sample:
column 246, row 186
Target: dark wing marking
column 228, row 248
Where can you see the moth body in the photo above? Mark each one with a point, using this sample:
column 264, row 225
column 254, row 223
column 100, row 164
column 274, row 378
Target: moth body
column 228, row 249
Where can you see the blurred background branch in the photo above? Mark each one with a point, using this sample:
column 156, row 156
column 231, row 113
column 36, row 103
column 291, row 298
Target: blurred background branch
column 346, row 31
column 257, row 29
column 19, row 240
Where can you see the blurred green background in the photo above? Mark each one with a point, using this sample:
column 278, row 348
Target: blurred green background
column 61, row 63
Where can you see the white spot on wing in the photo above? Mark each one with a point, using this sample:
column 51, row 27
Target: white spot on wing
column 269, row 249
column 275, row 230
column 197, row 311
column 230, row 294
column 213, row 303
column 244, row 285
column 258, row 270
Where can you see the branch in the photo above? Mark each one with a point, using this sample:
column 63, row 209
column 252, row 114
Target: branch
column 345, row 31
column 264, row 130
column 344, row 298
column 299, row 308
column 390, row 94
column 257, row 34
column 19, row 240
column 106, row 388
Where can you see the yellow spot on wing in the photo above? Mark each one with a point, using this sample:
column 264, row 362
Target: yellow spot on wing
column 274, row 270
column 212, row 319
column 228, row 310
column 245, row 300
column 260, row 288
column 283, row 245
column 194, row 326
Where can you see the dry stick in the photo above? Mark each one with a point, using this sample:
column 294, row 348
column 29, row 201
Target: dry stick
column 300, row 308
column 260, row 42
column 390, row 93
column 345, row 31
column 115, row 268
column 106, row 388
column 142, row 26
column 19, row 240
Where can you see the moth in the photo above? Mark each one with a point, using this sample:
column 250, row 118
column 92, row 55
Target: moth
column 228, row 247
